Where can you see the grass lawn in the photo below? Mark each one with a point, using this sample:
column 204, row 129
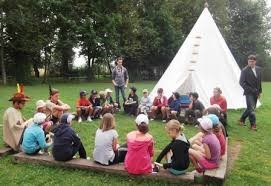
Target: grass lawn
column 252, row 166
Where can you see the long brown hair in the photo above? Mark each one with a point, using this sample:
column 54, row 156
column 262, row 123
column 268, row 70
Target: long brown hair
column 108, row 122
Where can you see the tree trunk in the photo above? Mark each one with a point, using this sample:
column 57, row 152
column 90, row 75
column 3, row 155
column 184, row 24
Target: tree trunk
column 3, row 68
column 47, row 61
column 89, row 68
column 109, row 67
column 90, row 74
column 65, row 63
column 36, row 70
column 22, row 67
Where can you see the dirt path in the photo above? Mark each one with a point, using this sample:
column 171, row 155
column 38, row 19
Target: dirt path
column 233, row 153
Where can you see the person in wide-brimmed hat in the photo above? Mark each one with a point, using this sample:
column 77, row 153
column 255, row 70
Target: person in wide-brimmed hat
column 13, row 121
column 55, row 105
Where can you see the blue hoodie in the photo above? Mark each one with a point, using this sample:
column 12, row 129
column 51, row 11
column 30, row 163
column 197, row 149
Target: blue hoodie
column 175, row 105
column 33, row 139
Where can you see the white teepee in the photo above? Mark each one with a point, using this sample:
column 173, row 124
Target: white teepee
column 203, row 62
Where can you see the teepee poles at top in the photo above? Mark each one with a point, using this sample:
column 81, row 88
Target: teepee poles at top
column 206, row 5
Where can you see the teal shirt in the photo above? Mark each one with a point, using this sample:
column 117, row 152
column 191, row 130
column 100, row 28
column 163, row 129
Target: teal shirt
column 33, row 139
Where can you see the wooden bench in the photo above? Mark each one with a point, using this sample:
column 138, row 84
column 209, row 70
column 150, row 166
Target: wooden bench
column 92, row 166
column 217, row 176
column 5, row 151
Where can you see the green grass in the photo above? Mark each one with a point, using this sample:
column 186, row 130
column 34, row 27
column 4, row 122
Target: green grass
column 251, row 168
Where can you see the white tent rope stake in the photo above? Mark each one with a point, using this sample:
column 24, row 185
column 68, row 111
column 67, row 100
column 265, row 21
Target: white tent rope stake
column 203, row 62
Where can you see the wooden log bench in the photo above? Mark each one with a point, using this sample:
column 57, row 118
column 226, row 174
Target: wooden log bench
column 92, row 166
column 217, row 176
column 6, row 151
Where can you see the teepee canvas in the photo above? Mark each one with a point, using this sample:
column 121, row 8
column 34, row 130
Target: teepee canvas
column 203, row 62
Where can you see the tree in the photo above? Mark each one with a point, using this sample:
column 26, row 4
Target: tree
column 249, row 30
column 3, row 68
column 66, row 13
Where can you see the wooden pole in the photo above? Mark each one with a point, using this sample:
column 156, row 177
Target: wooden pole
column 206, row 5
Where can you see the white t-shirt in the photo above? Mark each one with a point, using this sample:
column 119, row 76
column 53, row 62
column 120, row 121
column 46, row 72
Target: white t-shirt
column 254, row 71
column 103, row 151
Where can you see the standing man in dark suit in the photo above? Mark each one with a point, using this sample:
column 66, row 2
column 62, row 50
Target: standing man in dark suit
column 250, row 80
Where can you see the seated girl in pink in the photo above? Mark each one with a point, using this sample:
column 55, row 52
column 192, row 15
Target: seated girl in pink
column 206, row 156
column 140, row 148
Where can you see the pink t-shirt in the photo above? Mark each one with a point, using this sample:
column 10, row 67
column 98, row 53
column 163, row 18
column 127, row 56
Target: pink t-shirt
column 214, row 146
column 139, row 153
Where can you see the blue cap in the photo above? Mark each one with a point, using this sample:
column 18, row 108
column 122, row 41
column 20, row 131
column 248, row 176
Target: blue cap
column 214, row 119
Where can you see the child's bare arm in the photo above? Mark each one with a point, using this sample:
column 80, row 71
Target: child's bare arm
column 207, row 151
column 114, row 144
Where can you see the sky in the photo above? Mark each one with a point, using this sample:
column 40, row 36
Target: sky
column 81, row 60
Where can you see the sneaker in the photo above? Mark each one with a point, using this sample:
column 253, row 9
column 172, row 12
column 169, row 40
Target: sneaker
column 253, row 127
column 164, row 121
column 88, row 158
column 151, row 119
column 155, row 169
column 242, row 123
column 101, row 117
column 40, row 152
column 89, row 119
column 79, row 120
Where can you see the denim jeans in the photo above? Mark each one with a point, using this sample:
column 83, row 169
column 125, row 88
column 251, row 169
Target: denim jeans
column 117, row 90
column 250, row 111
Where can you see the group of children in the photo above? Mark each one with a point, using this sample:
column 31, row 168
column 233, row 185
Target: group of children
column 204, row 150
column 100, row 103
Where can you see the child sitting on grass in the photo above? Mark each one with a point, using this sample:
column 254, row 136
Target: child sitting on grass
column 106, row 108
column 138, row 159
column 206, row 156
column 95, row 101
column 66, row 141
column 174, row 106
column 145, row 103
column 176, row 152
column 84, row 108
column 34, row 138
column 106, row 141
column 114, row 107
column 131, row 104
